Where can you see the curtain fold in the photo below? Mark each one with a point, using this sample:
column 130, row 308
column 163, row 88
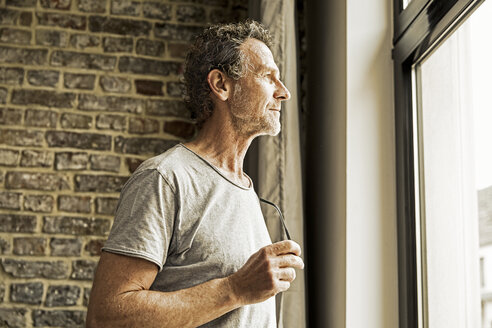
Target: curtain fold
column 274, row 163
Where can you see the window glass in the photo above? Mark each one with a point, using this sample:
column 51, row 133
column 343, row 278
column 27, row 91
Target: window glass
column 454, row 138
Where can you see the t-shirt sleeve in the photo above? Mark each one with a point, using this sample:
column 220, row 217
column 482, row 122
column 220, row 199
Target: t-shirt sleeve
column 144, row 219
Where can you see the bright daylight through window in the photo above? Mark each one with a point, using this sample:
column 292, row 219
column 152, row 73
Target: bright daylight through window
column 453, row 138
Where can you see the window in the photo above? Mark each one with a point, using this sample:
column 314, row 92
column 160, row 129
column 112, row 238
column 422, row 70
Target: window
column 444, row 142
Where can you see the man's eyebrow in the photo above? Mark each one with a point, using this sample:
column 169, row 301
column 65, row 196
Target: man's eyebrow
column 272, row 69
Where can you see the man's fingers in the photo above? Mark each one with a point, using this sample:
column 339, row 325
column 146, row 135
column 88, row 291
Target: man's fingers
column 289, row 260
column 283, row 285
column 286, row 247
column 287, row 274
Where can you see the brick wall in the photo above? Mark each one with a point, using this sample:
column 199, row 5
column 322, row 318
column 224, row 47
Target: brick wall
column 88, row 89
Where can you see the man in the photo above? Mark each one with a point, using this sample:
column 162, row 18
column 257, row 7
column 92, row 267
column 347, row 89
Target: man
column 189, row 246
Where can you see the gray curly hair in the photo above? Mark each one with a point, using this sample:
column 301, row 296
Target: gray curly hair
column 217, row 48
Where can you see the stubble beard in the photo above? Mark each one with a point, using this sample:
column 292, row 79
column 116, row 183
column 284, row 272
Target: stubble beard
column 244, row 123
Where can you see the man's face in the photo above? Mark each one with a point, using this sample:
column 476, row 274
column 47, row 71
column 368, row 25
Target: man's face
column 256, row 97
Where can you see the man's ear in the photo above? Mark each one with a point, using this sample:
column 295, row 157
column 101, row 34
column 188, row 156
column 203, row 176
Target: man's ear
column 219, row 84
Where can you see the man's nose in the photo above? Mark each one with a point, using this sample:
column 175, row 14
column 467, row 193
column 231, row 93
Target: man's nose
column 282, row 92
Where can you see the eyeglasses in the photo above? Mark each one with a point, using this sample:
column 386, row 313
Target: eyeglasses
column 280, row 214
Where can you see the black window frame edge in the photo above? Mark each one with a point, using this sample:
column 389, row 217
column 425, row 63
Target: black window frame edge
column 417, row 29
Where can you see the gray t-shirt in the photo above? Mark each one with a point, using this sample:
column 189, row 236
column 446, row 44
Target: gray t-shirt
column 181, row 213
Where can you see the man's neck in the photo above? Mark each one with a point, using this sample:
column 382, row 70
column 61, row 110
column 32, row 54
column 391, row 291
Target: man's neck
column 220, row 144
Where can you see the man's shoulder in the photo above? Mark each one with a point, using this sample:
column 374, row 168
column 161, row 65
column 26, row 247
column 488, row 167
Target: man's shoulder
column 173, row 162
column 167, row 159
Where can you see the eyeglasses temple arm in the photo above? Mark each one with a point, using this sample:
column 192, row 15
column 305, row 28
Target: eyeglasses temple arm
column 281, row 216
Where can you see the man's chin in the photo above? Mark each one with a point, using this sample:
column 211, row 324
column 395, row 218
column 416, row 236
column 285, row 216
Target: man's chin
column 273, row 131
column 270, row 129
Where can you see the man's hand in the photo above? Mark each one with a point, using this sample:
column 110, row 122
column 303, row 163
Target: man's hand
column 267, row 272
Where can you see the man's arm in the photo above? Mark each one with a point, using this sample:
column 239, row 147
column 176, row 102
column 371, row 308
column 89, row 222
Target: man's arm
column 120, row 295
